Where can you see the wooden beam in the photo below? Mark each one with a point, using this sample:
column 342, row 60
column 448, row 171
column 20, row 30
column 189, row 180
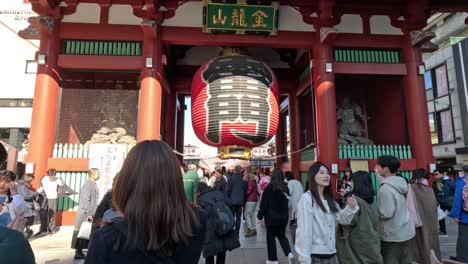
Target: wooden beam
column 185, row 36
column 60, row 164
column 195, row 36
column 87, row 62
column 84, row 31
column 419, row 37
column 375, row 41
column 369, row 68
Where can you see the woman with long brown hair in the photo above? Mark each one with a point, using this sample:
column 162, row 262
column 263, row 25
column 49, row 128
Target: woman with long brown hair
column 159, row 224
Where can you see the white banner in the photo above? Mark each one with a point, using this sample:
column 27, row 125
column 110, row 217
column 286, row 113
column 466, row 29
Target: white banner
column 15, row 13
column 108, row 159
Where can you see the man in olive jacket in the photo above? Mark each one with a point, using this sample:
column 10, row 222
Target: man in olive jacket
column 191, row 182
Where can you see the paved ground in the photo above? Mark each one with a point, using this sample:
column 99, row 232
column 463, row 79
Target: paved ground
column 55, row 249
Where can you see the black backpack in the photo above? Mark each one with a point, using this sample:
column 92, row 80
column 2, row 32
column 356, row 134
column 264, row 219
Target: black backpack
column 223, row 218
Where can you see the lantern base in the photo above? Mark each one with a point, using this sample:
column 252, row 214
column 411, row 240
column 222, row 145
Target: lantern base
column 234, row 152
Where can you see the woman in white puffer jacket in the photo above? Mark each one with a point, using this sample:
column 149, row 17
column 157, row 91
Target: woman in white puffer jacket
column 317, row 217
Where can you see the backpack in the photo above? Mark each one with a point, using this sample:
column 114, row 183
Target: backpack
column 223, row 218
column 465, row 195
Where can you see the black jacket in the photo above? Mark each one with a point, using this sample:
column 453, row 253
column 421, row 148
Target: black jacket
column 274, row 207
column 108, row 245
column 106, row 203
column 213, row 243
column 220, row 185
column 235, row 190
column 14, row 248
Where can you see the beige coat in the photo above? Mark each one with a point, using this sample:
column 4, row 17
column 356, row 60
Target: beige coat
column 427, row 236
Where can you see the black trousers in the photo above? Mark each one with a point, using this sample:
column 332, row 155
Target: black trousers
column 442, row 227
column 237, row 213
column 462, row 242
column 276, row 232
column 220, row 258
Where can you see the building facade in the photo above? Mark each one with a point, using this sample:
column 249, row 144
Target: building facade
column 445, row 82
column 18, row 69
column 349, row 74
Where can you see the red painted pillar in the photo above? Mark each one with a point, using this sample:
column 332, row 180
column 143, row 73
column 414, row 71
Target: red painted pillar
column 294, row 138
column 325, row 104
column 416, row 107
column 149, row 114
column 46, row 98
column 170, row 120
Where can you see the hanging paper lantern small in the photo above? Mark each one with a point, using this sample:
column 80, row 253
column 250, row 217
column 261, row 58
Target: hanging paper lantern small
column 235, row 104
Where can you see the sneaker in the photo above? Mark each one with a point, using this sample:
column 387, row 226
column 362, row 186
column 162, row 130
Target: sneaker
column 290, row 258
column 442, row 234
column 79, row 255
column 40, row 234
column 249, row 233
column 28, row 233
column 271, row 262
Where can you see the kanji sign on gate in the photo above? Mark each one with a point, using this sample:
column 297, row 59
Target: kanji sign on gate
column 240, row 18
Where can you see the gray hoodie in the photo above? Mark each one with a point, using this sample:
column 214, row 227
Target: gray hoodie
column 395, row 221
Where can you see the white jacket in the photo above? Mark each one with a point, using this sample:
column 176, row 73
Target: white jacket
column 295, row 191
column 316, row 230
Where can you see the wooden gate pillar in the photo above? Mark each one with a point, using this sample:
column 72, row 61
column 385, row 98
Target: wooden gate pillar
column 416, row 106
column 46, row 97
column 149, row 112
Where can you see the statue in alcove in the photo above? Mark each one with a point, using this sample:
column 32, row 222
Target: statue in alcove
column 113, row 129
column 350, row 119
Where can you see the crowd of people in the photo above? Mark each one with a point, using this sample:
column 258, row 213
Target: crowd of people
column 158, row 212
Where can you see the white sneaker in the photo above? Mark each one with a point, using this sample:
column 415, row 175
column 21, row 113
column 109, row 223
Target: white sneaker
column 271, row 262
column 291, row 258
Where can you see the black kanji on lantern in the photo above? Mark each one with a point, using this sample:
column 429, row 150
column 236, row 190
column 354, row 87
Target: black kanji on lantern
column 238, row 91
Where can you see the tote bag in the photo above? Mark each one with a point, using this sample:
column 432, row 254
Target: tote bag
column 85, row 230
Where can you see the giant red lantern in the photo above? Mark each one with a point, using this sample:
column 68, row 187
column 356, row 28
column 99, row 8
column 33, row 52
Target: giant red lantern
column 235, row 104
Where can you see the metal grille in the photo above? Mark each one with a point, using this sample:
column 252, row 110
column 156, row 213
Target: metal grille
column 84, row 111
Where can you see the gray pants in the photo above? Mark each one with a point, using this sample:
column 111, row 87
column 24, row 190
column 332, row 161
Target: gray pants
column 52, row 207
column 462, row 242
column 396, row 252
column 250, row 216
